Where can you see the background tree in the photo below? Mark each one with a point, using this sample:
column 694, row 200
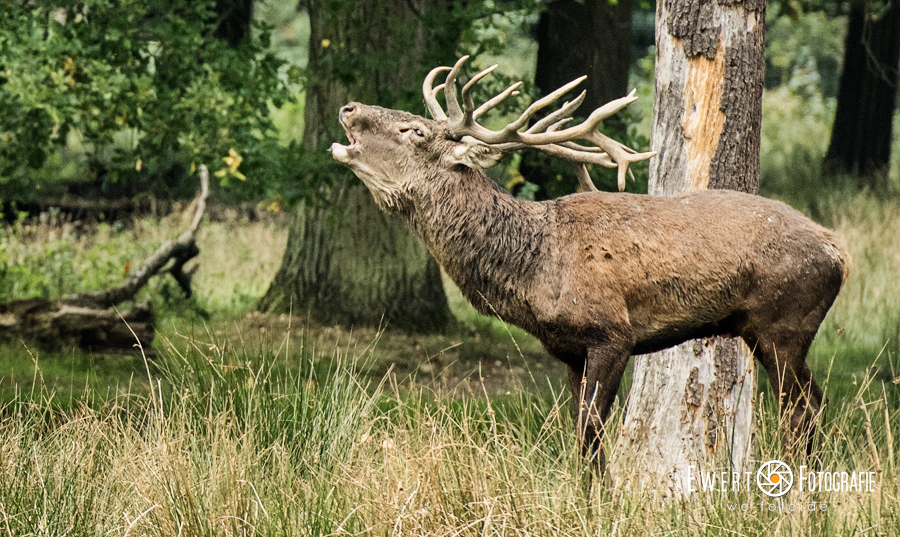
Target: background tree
column 692, row 405
column 591, row 37
column 346, row 261
column 861, row 136
column 235, row 19
column 575, row 38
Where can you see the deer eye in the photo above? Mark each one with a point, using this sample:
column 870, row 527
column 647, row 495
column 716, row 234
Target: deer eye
column 418, row 132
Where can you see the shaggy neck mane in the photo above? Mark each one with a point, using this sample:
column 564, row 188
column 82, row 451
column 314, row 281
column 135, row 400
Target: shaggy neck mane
column 489, row 242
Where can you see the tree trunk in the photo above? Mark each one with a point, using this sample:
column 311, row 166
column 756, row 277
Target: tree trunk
column 235, row 18
column 349, row 263
column 346, row 262
column 690, row 407
column 63, row 325
column 591, row 37
column 575, row 38
column 861, row 136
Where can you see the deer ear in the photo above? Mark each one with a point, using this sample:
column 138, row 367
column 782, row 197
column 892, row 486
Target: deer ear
column 473, row 154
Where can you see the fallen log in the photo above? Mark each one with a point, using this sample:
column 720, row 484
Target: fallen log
column 92, row 321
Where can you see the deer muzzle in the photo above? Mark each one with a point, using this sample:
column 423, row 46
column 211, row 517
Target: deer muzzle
column 343, row 153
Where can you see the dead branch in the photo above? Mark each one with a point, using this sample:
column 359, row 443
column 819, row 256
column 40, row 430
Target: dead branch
column 87, row 320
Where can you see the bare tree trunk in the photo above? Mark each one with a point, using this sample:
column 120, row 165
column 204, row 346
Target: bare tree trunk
column 235, row 18
column 690, row 407
column 861, row 136
column 347, row 262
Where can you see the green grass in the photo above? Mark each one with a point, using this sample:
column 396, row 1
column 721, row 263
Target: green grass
column 247, row 424
column 238, row 259
column 863, row 327
column 269, row 441
column 63, row 378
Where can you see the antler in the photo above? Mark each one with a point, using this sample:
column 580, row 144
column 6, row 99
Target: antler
column 547, row 135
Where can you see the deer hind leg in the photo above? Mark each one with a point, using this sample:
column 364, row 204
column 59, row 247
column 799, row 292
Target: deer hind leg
column 781, row 327
column 783, row 355
column 594, row 385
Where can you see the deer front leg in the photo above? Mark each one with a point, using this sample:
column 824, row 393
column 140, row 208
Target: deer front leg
column 594, row 387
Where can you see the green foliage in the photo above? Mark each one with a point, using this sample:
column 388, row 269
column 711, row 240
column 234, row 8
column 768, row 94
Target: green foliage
column 52, row 257
column 148, row 70
column 36, row 262
column 795, row 131
column 804, row 53
column 372, row 61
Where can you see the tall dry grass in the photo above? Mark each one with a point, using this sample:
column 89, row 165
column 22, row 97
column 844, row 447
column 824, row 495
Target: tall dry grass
column 866, row 315
column 281, row 440
column 238, row 443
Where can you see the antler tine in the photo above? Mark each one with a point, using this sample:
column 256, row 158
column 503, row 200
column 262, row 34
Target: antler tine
column 568, row 151
column 494, row 101
column 548, row 134
column 621, row 154
column 582, row 148
column 453, row 109
column 541, row 103
column 584, row 179
column 608, row 109
column 625, row 161
column 430, row 93
column 468, row 87
column 468, row 105
column 559, row 124
column 567, row 108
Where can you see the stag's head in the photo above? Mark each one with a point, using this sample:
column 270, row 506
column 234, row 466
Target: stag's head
column 395, row 152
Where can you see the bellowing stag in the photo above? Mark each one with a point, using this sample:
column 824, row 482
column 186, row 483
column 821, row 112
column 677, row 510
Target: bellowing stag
column 597, row 276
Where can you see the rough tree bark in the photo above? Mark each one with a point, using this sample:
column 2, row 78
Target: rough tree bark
column 691, row 406
column 861, row 136
column 88, row 320
column 347, row 262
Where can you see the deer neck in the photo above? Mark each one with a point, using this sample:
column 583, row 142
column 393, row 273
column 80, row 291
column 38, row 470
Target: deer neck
column 490, row 243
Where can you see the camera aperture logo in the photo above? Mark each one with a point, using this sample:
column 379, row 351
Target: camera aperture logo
column 774, row 478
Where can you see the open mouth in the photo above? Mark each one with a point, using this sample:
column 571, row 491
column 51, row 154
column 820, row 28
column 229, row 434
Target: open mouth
column 348, row 132
column 340, row 152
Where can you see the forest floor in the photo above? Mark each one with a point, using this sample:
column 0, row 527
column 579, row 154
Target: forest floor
column 476, row 355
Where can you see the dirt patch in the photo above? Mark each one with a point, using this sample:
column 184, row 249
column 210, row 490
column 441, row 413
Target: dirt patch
column 466, row 361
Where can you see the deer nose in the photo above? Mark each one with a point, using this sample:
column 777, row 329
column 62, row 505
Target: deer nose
column 346, row 110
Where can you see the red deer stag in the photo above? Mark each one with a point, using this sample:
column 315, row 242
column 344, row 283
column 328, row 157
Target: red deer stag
column 597, row 276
